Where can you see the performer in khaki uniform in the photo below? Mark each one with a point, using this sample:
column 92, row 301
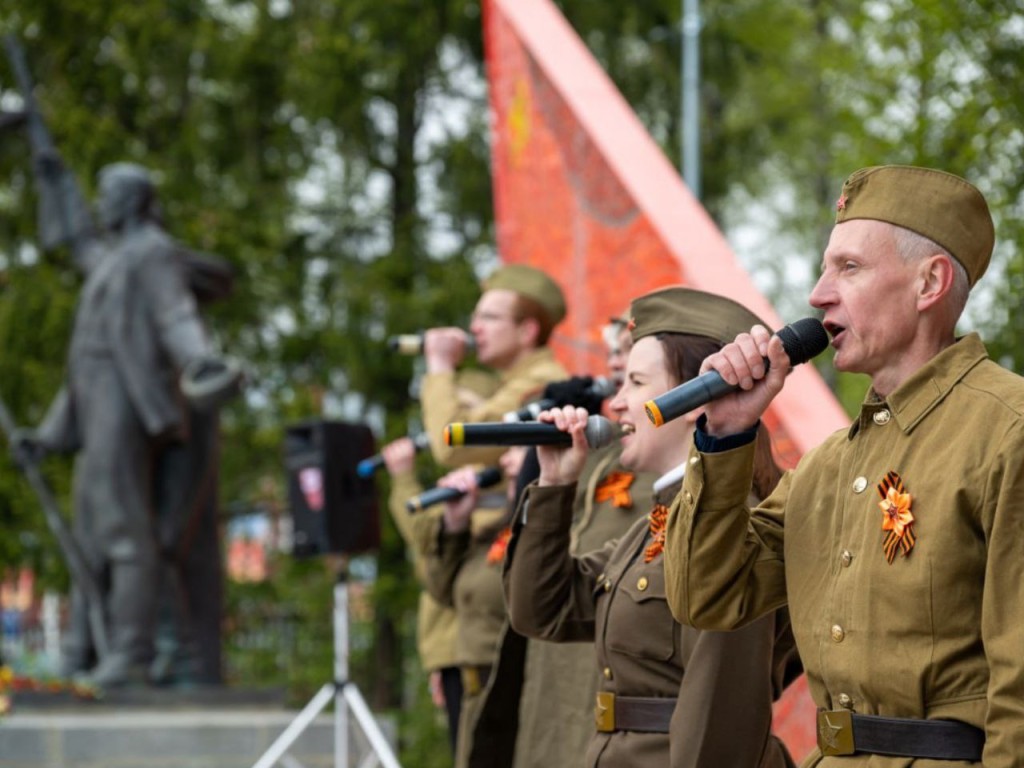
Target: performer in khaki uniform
column 668, row 695
column 435, row 623
column 512, row 322
column 897, row 542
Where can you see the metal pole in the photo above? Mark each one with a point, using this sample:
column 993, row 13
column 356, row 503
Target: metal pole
column 690, row 97
column 341, row 667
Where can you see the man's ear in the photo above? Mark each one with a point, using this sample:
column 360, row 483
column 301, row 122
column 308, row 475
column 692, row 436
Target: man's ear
column 935, row 280
column 529, row 331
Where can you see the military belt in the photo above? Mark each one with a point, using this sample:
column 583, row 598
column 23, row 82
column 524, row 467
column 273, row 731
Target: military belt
column 474, row 678
column 842, row 732
column 632, row 713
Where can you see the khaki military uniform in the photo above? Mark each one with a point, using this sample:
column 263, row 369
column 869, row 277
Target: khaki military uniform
column 937, row 633
column 463, row 570
column 722, row 683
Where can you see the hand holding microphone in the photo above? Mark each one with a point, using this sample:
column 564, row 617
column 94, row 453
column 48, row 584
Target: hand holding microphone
column 562, row 465
column 737, row 368
column 456, row 485
column 412, row 343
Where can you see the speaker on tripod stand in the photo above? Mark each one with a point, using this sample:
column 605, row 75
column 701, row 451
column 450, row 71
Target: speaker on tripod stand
column 334, row 511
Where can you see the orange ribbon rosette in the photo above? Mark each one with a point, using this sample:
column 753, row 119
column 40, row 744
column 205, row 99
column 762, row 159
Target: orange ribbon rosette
column 656, row 527
column 897, row 518
column 616, row 487
column 496, row 553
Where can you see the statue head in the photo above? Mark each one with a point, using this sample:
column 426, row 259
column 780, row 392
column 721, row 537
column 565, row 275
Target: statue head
column 127, row 196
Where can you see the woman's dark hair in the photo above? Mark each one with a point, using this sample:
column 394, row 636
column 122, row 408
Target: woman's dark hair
column 684, row 353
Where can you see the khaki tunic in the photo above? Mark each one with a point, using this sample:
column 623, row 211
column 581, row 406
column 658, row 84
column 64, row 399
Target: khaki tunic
column 936, row 634
column 723, row 682
column 458, row 571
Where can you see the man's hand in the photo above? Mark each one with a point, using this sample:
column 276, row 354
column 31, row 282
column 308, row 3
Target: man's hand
column 742, row 363
column 399, row 456
column 444, row 349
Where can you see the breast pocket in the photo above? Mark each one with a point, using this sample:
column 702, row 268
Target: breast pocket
column 639, row 621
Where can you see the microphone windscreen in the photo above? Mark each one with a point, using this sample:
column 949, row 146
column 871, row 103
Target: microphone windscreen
column 803, row 339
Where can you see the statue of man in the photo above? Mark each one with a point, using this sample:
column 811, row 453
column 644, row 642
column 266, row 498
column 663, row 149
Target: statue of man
column 139, row 357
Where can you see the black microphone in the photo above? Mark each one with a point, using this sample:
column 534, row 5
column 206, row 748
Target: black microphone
column 802, row 340
column 367, row 467
column 412, row 343
column 599, row 433
column 598, row 388
column 485, row 478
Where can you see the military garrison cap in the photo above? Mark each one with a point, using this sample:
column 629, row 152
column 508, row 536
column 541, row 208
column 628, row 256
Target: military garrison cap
column 940, row 206
column 686, row 310
column 531, row 283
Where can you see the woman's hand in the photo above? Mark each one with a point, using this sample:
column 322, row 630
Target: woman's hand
column 561, row 465
column 458, row 512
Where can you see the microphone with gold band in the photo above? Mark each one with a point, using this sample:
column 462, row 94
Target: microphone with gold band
column 599, row 433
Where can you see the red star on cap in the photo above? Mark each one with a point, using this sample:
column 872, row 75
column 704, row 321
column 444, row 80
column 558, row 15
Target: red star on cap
column 841, row 202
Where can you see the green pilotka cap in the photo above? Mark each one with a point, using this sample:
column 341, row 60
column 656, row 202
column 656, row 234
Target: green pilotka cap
column 940, row 206
column 531, row 283
column 678, row 309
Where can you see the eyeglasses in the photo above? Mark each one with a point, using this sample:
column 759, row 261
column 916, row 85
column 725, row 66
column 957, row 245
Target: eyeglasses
column 492, row 317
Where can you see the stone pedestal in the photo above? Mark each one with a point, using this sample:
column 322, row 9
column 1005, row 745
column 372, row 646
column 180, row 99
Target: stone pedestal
column 148, row 730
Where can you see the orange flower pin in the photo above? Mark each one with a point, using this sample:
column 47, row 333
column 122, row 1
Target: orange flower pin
column 615, row 486
column 897, row 518
column 496, row 553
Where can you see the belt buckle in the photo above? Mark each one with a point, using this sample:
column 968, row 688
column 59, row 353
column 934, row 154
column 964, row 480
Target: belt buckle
column 835, row 732
column 604, row 712
column 471, row 680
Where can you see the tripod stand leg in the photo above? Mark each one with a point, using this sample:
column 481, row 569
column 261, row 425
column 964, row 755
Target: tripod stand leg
column 378, row 742
column 297, row 726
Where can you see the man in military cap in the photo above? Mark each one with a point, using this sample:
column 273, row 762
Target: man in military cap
column 511, row 325
column 896, row 543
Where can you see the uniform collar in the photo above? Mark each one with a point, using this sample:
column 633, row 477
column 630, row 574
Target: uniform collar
column 915, row 398
column 526, row 363
column 670, row 478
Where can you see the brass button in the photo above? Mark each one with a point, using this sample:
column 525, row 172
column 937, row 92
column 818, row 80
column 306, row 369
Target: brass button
column 607, row 585
column 860, row 484
column 689, row 497
column 846, row 558
column 642, row 583
column 694, row 460
column 607, row 673
column 882, row 417
column 837, row 633
column 845, row 701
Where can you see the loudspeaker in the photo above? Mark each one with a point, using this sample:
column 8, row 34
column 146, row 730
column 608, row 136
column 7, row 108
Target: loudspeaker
column 333, row 509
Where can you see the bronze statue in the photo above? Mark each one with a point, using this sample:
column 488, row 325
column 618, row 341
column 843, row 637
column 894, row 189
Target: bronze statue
column 139, row 410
